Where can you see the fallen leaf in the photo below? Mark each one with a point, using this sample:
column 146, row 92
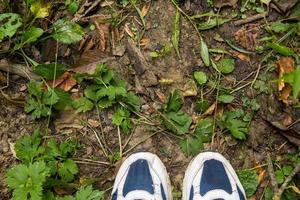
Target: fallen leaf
column 89, row 60
column 241, row 56
column 161, row 96
column 144, row 42
column 2, row 78
column 284, row 65
column 103, row 31
column 190, row 89
column 146, row 8
column 93, row 123
column 66, row 81
column 285, row 93
column 128, row 30
column 210, row 109
column 247, row 36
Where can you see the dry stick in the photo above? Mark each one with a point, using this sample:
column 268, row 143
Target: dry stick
column 271, row 173
column 98, row 139
column 120, row 141
column 90, row 161
column 288, row 179
column 17, row 69
column 77, row 17
column 87, row 163
column 250, row 19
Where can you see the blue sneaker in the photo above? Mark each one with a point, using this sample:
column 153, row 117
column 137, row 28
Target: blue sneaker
column 211, row 177
column 142, row 176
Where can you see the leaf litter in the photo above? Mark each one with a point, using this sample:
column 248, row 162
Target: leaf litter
column 220, row 111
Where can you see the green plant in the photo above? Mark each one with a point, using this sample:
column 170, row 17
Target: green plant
column 45, row 164
column 173, row 118
column 193, row 144
column 233, row 122
column 41, row 101
column 63, row 30
column 249, row 180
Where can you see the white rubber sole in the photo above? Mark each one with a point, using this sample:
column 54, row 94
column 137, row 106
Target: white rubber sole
column 197, row 163
column 155, row 165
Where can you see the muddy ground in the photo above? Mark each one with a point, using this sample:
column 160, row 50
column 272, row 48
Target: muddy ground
column 264, row 137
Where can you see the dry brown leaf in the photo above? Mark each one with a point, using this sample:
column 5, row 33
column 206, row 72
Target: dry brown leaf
column 210, row 109
column 128, row 30
column 93, row 123
column 2, row 78
column 144, row 42
column 241, row 56
column 103, row 31
column 161, row 96
column 89, row 60
column 146, row 8
column 247, row 36
column 66, row 81
column 284, row 65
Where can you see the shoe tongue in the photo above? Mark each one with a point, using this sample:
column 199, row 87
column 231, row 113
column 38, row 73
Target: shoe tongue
column 139, row 195
column 214, row 195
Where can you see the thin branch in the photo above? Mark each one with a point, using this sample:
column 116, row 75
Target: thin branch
column 284, row 186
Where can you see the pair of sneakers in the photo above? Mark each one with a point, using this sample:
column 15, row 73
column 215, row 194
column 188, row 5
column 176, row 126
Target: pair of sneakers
column 209, row 176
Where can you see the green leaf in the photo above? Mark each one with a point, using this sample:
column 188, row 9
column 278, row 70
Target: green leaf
column 237, row 128
column 87, row 193
column 121, row 118
column 287, row 170
column 175, row 101
column 204, row 53
column 279, row 27
column 216, row 21
column 27, row 181
column 279, row 175
column 30, row 35
column 68, row 170
column 133, row 101
column 191, row 145
column 177, row 122
column 200, row 77
column 103, row 75
column 64, row 102
column 226, row 65
column 73, row 7
column 90, row 92
column 36, row 109
column 28, row 148
column 10, row 22
column 40, row 8
column 84, row 193
column 283, row 50
column 202, row 106
column 225, row 98
column 35, row 88
column 249, row 180
column 296, row 82
column 176, row 32
column 50, row 97
column 50, row 71
column 204, row 130
column 82, row 105
column 67, row 32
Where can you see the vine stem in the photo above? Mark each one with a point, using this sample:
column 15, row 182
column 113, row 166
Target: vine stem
column 188, row 18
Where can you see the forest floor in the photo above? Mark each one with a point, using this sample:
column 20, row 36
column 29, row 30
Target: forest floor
column 138, row 41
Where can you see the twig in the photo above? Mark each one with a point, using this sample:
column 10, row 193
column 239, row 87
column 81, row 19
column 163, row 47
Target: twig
column 91, row 161
column 17, row 69
column 77, row 16
column 249, row 19
column 272, row 174
column 120, row 142
column 278, row 194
